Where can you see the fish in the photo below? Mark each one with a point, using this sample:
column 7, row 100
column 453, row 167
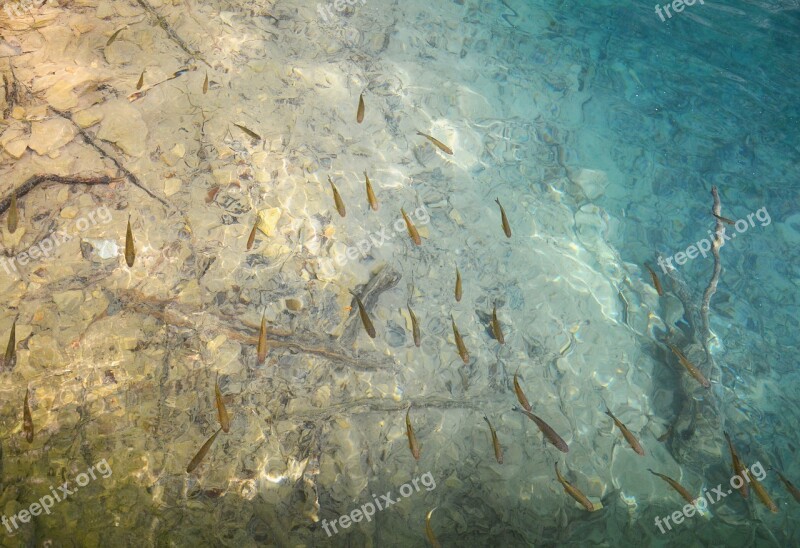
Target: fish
column 140, row 83
column 574, row 492
column 414, row 326
column 114, row 36
column 27, row 420
column 262, row 340
column 790, row 487
column 656, row 281
column 496, row 330
column 443, row 147
column 252, row 237
column 429, row 530
column 668, row 432
column 690, row 367
column 224, row 418
column 629, row 437
column 205, row 84
column 675, row 485
column 11, row 349
column 202, row 453
column 412, row 439
column 506, row 226
column 337, row 199
column 723, row 219
column 373, row 201
column 412, row 230
column 462, row 349
column 498, row 450
column 763, row 495
column 13, row 214
column 249, row 132
column 738, row 468
column 364, row 317
column 549, row 434
column 130, row 250
column 523, row 401
column 360, row 112
column 458, row 285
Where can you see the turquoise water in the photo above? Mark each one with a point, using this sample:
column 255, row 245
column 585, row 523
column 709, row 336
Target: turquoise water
column 600, row 128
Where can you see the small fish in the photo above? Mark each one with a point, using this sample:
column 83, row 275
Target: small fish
column 414, row 326
column 205, row 84
column 763, row 495
column 140, row 83
column 412, row 230
column 212, row 194
column 496, row 330
column 523, row 401
column 443, row 147
column 656, row 281
column 224, row 418
column 690, row 367
column 723, row 219
column 675, row 485
column 498, row 450
column 11, row 349
column 337, row 199
column 790, row 487
column 202, row 453
column 13, row 214
column 412, row 439
column 252, row 237
column 250, row 133
column 130, row 250
column 114, row 36
column 364, row 317
column 262, row 340
column 738, row 467
column 360, row 113
column 27, row 420
column 549, row 434
column 506, row 226
column 458, row 285
column 373, row 201
column 629, row 437
column 462, row 349
column 663, row 437
column 429, row 530
column 574, row 492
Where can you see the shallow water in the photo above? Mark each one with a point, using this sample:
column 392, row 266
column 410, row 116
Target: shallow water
column 599, row 128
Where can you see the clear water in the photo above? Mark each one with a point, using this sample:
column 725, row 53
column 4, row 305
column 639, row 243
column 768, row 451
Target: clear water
column 601, row 130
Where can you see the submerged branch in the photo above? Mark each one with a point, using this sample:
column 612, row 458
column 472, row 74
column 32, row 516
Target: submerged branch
column 719, row 232
column 89, row 140
column 305, row 342
column 36, row 180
